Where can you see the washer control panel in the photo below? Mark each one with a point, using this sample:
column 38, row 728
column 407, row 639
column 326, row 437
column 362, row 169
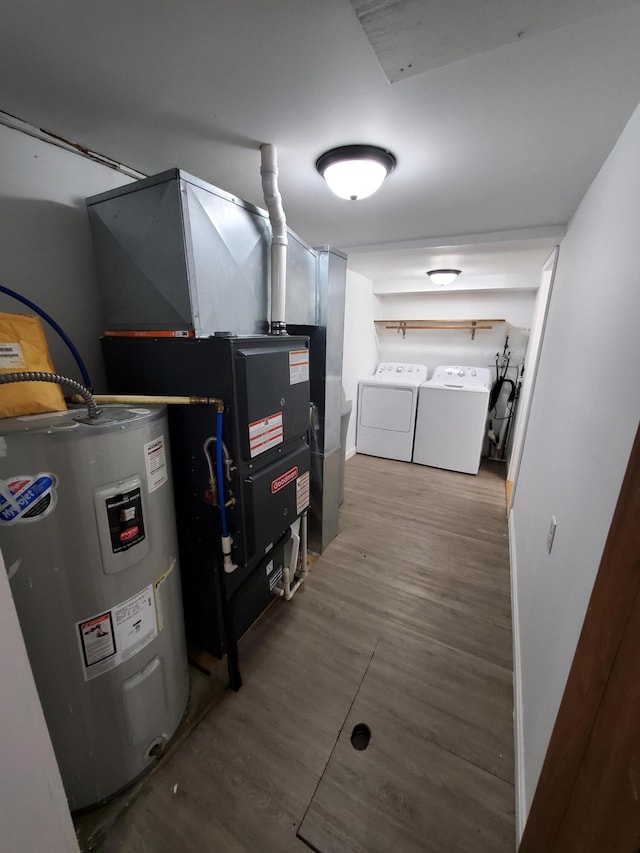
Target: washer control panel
column 462, row 376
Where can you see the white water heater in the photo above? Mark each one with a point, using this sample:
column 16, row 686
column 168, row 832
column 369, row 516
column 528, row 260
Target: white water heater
column 88, row 535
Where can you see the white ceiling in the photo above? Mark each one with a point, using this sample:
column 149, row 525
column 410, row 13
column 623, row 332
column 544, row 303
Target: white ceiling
column 414, row 36
column 504, row 140
column 511, row 263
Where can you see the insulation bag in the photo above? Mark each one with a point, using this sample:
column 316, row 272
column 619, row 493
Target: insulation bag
column 23, row 347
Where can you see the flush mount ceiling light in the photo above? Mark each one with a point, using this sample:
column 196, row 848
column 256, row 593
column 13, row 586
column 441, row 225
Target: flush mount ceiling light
column 443, row 277
column 355, row 171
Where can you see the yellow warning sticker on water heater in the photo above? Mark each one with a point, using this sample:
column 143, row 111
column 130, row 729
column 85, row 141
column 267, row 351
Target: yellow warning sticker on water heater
column 298, row 366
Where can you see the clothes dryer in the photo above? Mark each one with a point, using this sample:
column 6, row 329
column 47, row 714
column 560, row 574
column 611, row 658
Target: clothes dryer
column 451, row 419
column 387, row 403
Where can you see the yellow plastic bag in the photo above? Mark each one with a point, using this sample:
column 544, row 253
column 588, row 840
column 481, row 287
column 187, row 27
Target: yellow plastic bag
column 23, row 346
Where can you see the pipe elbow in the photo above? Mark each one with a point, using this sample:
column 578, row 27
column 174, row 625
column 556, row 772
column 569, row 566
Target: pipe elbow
column 272, row 196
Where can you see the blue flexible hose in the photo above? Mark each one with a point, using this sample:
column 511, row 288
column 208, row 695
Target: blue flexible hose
column 219, row 474
column 74, row 352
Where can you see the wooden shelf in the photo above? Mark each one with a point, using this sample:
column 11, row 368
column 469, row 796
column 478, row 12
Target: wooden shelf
column 466, row 325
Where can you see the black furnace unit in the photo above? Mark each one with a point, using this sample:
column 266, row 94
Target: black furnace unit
column 264, row 382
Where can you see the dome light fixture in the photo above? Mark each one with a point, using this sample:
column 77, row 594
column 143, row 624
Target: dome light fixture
column 355, row 171
column 443, row 277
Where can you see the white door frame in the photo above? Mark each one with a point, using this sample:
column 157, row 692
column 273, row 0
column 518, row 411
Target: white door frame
column 532, row 359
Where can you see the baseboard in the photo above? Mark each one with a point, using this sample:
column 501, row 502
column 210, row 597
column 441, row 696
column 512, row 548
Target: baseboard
column 351, row 452
column 521, row 807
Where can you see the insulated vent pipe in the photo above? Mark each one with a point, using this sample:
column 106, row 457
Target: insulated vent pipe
column 279, row 240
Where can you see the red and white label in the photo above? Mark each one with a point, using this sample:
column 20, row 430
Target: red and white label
column 284, row 479
column 298, row 366
column 108, row 639
column 265, row 434
column 302, row 492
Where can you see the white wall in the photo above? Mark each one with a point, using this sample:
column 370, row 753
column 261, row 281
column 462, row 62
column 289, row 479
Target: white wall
column 532, row 356
column 434, row 347
column 365, row 345
column 360, row 350
column 45, row 255
column 45, row 243
column 33, row 808
column 584, row 416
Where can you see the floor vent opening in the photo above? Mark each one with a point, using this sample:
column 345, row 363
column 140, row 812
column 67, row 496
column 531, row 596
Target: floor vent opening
column 360, row 736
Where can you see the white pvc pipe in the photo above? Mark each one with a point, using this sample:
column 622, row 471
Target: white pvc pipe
column 303, row 544
column 279, row 239
column 286, row 590
column 228, row 564
column 292, row 591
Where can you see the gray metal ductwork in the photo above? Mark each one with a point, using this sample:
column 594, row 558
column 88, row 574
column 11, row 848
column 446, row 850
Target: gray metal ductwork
column 326, row 346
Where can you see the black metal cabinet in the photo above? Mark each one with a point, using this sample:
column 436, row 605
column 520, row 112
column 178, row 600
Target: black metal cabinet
column 264, row 382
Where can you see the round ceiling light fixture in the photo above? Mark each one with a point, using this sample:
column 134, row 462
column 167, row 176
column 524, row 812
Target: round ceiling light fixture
column 355, row 171
column 443, row 277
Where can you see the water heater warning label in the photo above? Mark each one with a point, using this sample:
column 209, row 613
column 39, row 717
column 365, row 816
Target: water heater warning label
column 298, row 366
column 265, row 434
column 110, row 638
column 156, row 462
column 98, row 640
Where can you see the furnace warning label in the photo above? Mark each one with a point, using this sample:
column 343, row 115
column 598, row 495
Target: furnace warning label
column 298, row 366
column 265, row 434
column 156, row 462
column 110, row 638
column 302, row 492
column 11, row 357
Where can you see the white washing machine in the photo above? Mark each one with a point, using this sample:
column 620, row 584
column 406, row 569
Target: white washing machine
column 387, row 403
column 451, row 419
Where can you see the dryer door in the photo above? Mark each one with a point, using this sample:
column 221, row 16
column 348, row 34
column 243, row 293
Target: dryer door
column 387, row 408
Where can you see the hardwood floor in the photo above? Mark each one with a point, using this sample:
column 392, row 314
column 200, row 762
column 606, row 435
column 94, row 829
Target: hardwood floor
column 404, row 625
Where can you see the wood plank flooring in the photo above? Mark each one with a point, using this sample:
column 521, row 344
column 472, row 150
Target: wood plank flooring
column 404, row 625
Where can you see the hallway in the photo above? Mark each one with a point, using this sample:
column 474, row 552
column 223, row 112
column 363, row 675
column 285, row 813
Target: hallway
column 405, row 625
